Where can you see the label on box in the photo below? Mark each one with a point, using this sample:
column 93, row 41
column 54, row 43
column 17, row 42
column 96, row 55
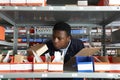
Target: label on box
column 4, row 1
column 35, row 1
column 18, row 1
column 4, row 67
column 55, row 67
column 85, row 66
column 102, row 67
column 21, row 66
column 115, row 67
column 40, row 66
column 82, row 3
column 114, row 2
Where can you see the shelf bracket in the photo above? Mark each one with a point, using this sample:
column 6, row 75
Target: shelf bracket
column 5, row 17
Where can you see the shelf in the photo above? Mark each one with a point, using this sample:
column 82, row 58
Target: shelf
column 60, row 8
column 6, row 43
column 11, row 44
column 58, row 75
column 48, row 15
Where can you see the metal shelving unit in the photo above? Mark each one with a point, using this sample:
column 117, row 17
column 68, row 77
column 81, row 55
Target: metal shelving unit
column 58, row 75
column 48, row 15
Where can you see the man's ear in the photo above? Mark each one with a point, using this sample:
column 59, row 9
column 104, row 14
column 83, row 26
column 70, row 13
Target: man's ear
column 69, row 37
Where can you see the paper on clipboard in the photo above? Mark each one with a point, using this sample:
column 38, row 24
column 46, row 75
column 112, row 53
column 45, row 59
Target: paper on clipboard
column 88, row 51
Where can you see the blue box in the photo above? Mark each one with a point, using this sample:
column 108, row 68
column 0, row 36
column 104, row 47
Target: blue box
column 85, row 63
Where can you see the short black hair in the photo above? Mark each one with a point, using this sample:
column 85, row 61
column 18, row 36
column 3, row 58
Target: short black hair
column 63, row 26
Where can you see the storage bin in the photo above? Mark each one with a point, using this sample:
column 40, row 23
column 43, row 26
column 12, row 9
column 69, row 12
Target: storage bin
column 107, row 64
column 2, row 33
column 85, row 64
column 55, row 67
column 21, row 67
column 40, row 67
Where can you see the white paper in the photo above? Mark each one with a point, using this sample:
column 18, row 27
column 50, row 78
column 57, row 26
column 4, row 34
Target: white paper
column 58, row 57
column 47, row 57
column 6, row 59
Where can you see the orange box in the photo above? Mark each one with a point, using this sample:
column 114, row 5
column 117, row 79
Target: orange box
column 2, row 33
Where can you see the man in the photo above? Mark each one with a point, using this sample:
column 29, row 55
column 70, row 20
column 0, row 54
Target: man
column 63, row 41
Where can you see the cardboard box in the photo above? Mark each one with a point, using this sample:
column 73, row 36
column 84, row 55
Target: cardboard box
column 85, row 63
column 40, row 66
column 38, row 48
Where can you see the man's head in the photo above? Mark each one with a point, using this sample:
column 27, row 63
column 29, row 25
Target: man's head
column 61, row 35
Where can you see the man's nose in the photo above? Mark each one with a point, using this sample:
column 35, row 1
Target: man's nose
column 56, row 40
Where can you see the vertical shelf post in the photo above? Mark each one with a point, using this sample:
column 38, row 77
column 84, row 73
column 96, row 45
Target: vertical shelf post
column 103, row 40
column 15, row 47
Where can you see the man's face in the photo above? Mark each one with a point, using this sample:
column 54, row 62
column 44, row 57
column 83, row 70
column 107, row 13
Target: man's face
column 60, row 39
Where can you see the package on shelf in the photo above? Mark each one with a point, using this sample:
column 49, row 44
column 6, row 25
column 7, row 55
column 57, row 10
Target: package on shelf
column 21, row 64
column 71, row 66
column 109, row 3
column 56, row 64
column 55, row 67
column 107, row 64
column 36, row 2
column 85, row 63
column 18, row 2
column 2, row 33
column 39, row 49
column 40, row 66
column 5, row 66
column 4, row 2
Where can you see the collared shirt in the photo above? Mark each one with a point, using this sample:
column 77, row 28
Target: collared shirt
column 65, row 49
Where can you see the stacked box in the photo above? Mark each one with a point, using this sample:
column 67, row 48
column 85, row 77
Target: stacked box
column 85, row 64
